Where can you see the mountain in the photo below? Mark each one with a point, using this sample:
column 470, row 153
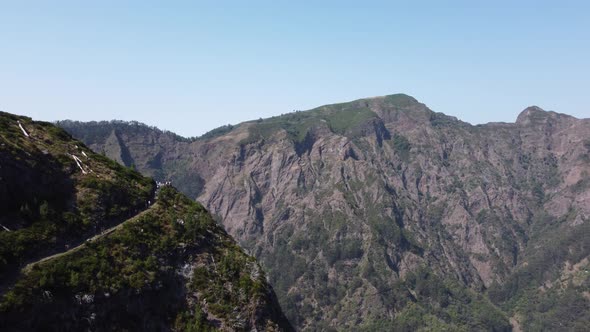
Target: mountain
column 88, row 244
column 380, row 213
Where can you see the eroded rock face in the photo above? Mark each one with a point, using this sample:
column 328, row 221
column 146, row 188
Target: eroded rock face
column 343, row 202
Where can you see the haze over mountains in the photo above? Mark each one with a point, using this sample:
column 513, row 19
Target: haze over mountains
column 380, row 213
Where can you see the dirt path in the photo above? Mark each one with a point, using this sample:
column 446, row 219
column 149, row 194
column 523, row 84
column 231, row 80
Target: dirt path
column 515, row 324
column 29, row 266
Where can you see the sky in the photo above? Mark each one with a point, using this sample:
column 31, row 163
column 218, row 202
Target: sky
column 191, row 66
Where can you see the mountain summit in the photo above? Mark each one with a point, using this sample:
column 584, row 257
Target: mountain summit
column 535, row 114
column 382, row 214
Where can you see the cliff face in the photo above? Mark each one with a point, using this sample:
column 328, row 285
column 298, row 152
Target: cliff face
column 89, row 244
column 356, row 208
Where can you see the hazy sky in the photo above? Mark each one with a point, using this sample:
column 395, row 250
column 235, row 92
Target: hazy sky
column 190, row 66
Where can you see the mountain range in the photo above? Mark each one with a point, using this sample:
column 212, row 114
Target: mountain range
column 381, row 214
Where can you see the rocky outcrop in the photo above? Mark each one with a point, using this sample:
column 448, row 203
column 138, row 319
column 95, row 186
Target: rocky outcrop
column 346, row 202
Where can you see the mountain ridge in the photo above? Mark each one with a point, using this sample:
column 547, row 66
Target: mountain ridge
column 223, row 129
column 88, row 244
column 352, row 199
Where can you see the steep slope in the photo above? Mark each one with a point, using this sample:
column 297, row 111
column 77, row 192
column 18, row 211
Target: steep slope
column 55, row 192
column 86, row 244
column 158, row 154
column 358, row 209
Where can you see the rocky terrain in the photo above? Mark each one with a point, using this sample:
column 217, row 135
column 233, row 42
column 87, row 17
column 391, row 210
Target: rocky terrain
column 380, row 213
column 88, row 244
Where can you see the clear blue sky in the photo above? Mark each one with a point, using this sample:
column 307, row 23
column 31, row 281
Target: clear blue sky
column 190, row 66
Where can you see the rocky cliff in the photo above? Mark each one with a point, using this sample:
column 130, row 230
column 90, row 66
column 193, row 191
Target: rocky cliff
column 380, row 212
column 88, row 244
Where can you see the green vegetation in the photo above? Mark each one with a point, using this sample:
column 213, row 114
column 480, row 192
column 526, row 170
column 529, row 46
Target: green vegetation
column 93, row 132
column 397, row 245
column 140, row 261
column 343, row 119
column 219, row 131
column 563, row 309
column 401, row 146
column 48, row 202
column 561, row 306
column 169, row 266
column 442, row 120
column 341, row 122
column 426, row 302
column 400, row 100
column 422, row 300
column 545, row 262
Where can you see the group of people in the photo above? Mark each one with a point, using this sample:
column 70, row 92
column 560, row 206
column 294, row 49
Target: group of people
column 161, row 184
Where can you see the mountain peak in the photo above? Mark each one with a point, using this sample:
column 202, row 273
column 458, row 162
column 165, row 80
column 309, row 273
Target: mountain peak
column 532, row 114
column 363, row 189
column 400, row 96
column 535, row 114
column 399, row 99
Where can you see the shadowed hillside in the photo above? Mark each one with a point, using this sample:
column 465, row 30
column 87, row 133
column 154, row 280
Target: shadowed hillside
column 88, row 244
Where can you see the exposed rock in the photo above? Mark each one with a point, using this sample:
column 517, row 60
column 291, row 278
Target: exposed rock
column 345, row 201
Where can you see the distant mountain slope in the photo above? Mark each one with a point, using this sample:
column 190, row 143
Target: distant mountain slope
column 380, row 212
column 86, row 244
column 149, row 153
